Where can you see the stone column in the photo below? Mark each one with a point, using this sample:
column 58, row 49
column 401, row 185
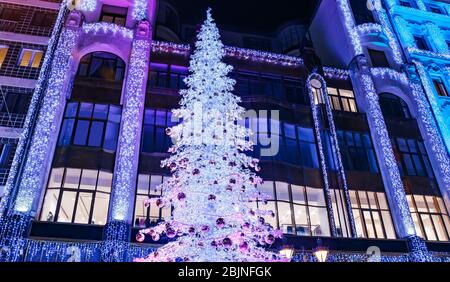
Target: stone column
column 126, row 168
column 436, row 37
column 368, row 98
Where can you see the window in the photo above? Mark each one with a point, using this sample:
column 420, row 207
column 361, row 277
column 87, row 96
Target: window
column 342, row 100
column 421, row 43
column 357, row 151
column 30, row 58
column 405, row 3
column 77, row 196
column 43, row 19
column 154, row 137
column 361, row 13
column 101, row 65
column 166, row 76
column 378, row 59
column 277, row 87
column 440, row 87
column 3, row 53
column 6, row 154
column 91, row 125
column 147, row 187
column 430, row 217
column 14, row 103
column 297, row 144
column 371, row 214
column 394, row 107
column 435, row 9
column 298, row 210
column 413, row 157
column 10, row 14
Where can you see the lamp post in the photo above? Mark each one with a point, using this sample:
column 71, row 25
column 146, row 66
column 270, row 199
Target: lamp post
column 321, row 252
column 287, row 252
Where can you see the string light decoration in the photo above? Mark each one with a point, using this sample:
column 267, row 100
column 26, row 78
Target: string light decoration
column 128, row 153
column 140, row 10
column 337, row 153
column 106, row 28
column 233, row 52
column 384, row 73
column 88, row 5
column 33, row 108
column 426, row 53
column 424, row 107
column 387, row 154
column 335, row 73
column 323, row 164
column 388, row 31
column 46, row 127
column 350, row 26
column 114, row 247
column 213, row 182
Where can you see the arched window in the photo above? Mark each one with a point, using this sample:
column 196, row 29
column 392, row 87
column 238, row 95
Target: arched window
column 393, row 106
column 102, row 65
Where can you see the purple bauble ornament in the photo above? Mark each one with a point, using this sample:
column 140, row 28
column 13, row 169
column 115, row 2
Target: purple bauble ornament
column 196, row 171
column 191, row 230
column 181, row 196
column 227, row 242
column 171, row 233
column 140, row 237
column 160, row 203
column 243, row 247
column 211, row 197
column 220, row 222
column 270, row 239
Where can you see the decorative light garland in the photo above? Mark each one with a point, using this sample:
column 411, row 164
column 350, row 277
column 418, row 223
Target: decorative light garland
column 240, row 53
column 374, row 112
column 128, row 151
column 55, row 251
column 389, row 73
column 33, row 108
column 317, row 130
column 426, row 115
column 350, row 26
column 140, row 10
column 388, row 31
column 53, row 104
column 107, row 28
column 336, row 151
column 88, row 5
column 335, row 73
column 426, row 53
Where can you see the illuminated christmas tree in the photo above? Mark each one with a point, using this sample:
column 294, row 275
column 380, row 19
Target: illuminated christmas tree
column 212, row 184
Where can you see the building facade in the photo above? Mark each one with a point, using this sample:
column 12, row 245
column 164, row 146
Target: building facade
column 350, row 116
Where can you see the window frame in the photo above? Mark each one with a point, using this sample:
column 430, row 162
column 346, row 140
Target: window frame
column 31, row 61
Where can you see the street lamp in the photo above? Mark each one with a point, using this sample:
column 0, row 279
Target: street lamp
column 287, row 252
column 321, row 252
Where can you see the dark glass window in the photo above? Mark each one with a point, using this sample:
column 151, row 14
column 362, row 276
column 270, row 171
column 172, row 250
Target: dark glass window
column 282, row 88
column 378, row 58
column 102, row 65
column 167, row 76
column 405, row 3
column 14, row 103
column 357, row 151
column 361, row 13
column 413, row 158
column 430, row 217
column 435, row 9
column 440, row 87
column 43, row 19
column 393, row 106
column 9, row 14
column 77, row 196
column 421, row 43
column 91, row 125
column 154, row 137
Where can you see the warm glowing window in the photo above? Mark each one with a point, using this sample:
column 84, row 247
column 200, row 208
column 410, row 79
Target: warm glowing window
column 77, row 196
column 430, row 217
column 342, row 100
column 440, row 88
column 31, row 58
column 3, row 52
column 371, row 214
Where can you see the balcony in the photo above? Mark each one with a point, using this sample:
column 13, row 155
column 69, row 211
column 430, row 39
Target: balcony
column 12, row 120
column 8, row 26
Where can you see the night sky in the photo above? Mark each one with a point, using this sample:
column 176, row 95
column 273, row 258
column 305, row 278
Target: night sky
column 256, row 15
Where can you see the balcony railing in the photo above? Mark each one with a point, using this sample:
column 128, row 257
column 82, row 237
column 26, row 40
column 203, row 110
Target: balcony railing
column 8, row 26
column 3, row 176
column 12, row 120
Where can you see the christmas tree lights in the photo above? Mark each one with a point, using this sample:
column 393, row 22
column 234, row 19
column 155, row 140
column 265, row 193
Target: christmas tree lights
column 213, row 182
